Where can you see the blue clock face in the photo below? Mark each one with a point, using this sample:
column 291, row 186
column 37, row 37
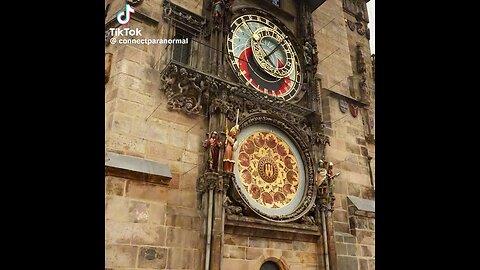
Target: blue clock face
column 263, row 57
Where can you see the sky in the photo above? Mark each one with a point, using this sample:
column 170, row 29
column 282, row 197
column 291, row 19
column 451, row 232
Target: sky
column 371, row 24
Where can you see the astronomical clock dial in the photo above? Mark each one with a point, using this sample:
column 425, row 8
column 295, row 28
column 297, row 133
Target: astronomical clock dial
column 269, row 171
column 263, row 57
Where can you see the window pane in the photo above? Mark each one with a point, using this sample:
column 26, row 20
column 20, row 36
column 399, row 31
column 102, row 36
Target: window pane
column 269, row 266
column 181, row 52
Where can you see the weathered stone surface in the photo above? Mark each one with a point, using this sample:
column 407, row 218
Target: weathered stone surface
column 340, row 216
column 157, row 213
column 365, row 237
column 367, row 251
column 189, row 180
column 292, row 256
column 120, row 256
column 274, row 253
column 305, row 246
column 152, row 258
column 116, row 208
column 147, row 191
column 338, row 238
column 257, row 242
column 115, row 186
column 371, row 264
column 253, row 253
column 234, row 252
column 186, row 238
column 353, row 189
column 182, row 198
column 285, row 245
column 363, row 264
column 125, row 144
column 148, row 234
column 341, row 186
column 364, row 151
column 175, row 181
column 118, row 232
column 341, row 248
column 138, row 211
column 185, row 222
column 309, row 258
column 303, row 267
column 350, row 239
column 190, row 157
column 347, row 263
column 341, row 227
column 237, row 240
column 371, row 224
column 361, row 141
column 180, row 258
column 237, row 264
column 351, row 250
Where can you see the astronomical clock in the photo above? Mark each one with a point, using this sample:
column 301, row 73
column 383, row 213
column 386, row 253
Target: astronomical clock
column 263, row 56
column 273, row 175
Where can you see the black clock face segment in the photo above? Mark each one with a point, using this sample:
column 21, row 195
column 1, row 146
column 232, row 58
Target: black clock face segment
column 263, row 56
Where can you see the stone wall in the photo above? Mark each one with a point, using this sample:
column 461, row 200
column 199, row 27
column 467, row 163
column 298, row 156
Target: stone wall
column 349, row 148
column 146, row 219
column 334, row 65
column 143, row 218
column 244, row 252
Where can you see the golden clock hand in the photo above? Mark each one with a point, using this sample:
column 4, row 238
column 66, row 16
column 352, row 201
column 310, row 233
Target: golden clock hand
column 254, row 36
column 276, row 47
column 269, row 60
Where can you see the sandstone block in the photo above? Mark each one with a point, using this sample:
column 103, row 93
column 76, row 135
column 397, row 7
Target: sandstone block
column 152, row 258
column 120, row 256
column 114, row 186
column 148, row 234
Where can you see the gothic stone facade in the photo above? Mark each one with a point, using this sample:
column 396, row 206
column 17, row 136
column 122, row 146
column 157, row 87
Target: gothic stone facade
column 167, row 206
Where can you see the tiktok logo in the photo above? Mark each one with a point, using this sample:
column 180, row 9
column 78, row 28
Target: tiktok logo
column 123, row 17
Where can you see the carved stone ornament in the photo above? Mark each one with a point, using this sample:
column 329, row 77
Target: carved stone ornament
column 343, row 105
column 351, row 25
column 361, row 65
column 353, row 110
column 184, row 90
column 189, row 19
column 371, row 122
column 357, row 8
column 358, row 26
column 191, row 91
column 209, row 181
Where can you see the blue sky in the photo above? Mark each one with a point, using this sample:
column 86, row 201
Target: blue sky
column 371, row 25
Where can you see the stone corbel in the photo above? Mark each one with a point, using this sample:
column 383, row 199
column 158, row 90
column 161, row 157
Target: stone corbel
column 185, row 90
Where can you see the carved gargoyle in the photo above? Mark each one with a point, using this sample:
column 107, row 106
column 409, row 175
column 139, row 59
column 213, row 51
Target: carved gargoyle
column 184, row 90
column 231, row 208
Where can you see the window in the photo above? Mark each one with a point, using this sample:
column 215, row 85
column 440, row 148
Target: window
column 269, row 265
column 181, row 52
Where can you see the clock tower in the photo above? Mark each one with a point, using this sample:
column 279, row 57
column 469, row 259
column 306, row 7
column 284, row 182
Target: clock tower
column 250, row 146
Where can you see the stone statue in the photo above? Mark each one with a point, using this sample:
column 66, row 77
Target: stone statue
column 214, row 144
column 230, row 146
column 218, row 10
column 308, row 52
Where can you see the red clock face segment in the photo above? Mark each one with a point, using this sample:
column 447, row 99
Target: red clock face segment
column 261, row 80
column 263, row 57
